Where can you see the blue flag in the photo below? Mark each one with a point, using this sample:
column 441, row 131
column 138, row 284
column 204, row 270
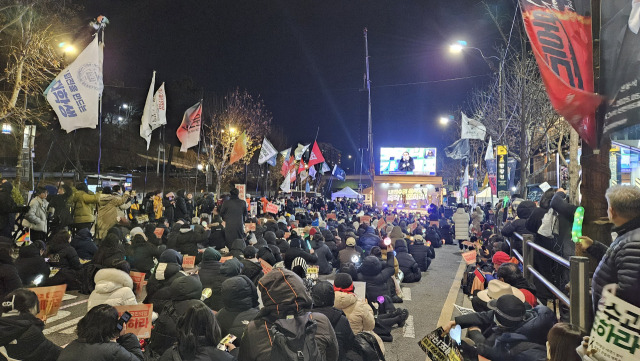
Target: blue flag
column 339, row 173
column 474, row 185
column 307, row 188
column 272, row 161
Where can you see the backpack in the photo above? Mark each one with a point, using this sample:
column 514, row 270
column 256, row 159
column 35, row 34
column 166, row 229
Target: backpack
column 86, row 277
column 294, row 339
column 365, row 348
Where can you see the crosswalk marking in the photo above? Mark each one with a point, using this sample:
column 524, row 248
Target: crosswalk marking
column 408, row 329
column 71, row 322
column 69, row 331
column 74, row 304
column 406, row 293
column 68, row 297
column 58, row 317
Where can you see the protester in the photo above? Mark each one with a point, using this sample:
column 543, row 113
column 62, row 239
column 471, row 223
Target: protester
column 322, row 251
column 562, row 341
column 216, row 238
column 61, row 208
column 110, row 250
column 369, row 239
column 251, row 264
column 519, row 225
column 619, row 263
column 511, row 274
column 358, row 312
column 9, row 277
column 100, row 339
column 181, row 211
column 234, row 213
column 323, row 302
column 295, row 251
column 83, row 203
column 421, row 253
column 347, row 254
column 142, row 254
column 240, row 305
column 83, row 244
column 407, row 263
column 461, row 224
column 169, row 269
column 377, row 279
column 36, row 217
column 30, row 264
column 108, row 209
column 21, row 332
column 65, row 258
column 113, row 287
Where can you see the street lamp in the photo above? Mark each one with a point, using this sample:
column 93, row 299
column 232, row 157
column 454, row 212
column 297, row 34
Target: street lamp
column 120, row 119
column 232, row 130
column 349, row 156
column 6, row 128
column 70, row 49
column 444, row 120
column 125, row 106
column 200, row 167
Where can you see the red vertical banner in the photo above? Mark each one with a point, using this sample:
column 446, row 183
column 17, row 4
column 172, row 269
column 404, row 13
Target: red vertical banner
column 560, row 36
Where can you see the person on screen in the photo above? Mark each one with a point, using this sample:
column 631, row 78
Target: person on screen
column 405, row 164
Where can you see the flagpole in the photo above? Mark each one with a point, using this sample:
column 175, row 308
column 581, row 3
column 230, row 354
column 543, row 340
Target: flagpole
column 146, row 165
column 164, row 162
column 102, row 23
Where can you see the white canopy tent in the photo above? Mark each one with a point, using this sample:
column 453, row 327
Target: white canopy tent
column 485, row 196
column 345, row 192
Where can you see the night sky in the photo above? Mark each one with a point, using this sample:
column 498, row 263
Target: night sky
column 306, row 59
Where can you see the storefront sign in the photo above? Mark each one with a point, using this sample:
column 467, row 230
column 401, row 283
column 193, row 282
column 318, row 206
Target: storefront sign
column 503, row 171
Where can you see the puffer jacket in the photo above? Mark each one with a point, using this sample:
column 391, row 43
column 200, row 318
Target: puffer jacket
column 158, row 287
column 83, row 205
column 407, row 264
column 211, row 277
column 187, row 242
column 30, row 264
column 369, row 239
column 524, row 210
column 84, row 245
column 186, row 293
column 422, row 254
column 395, row 235
column 323, row 300
column 251, row 269
column 113, row 287
column 619, row 264
column 358, row 312
column 287, row 296
column 461, row 220
column 375, row 276
column 240, row 305
column 36, row 217
column 127, row 348
column 63, row 256
column 108, row 208
column 142, row 256
column 325, row 257
column 21, row 335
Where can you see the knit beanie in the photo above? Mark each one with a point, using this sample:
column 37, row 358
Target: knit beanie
column 343, row 283
column 211, row 253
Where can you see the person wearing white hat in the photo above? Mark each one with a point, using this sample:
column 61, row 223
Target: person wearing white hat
column 495, row 289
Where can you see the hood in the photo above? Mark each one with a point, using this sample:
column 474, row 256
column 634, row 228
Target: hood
column 344, row 300
column 323, row 294
column 396, row 233
column 29, row 251
column 165, row 271
column 525, row 208
column 460, row 211
column 283, row 293
column 401, row 246
column 239, row 294
column 269, row 237
column 370, row 230
column 106, row 198
column 186, row 288
column 82, row 235
column 522, row 283
column 180, row 193
column 232, row 267
column 12, row 327
column 6, row 187
column 238, row 244
column 110, row 279
column 371, row 266
column 170, row 256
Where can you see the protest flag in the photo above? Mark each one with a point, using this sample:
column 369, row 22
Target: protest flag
column 189, row 131
column 316, row 156
column 239, row 149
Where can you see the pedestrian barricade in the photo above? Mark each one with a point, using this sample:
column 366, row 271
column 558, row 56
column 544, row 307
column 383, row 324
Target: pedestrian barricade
column 579, row 299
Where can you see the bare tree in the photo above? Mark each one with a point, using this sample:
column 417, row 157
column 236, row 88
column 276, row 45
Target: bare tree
column 239, row 112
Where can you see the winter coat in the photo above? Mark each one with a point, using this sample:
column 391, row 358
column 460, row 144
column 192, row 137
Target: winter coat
column 181, row 211
column 107, row 254
column 62, row 208
column 168, row 210
column 83, row 244
column 369, row 240
column 216, row 238
column 358, row 312
column 9, row 278
column 108, row 213
column 202, row 353
column 234, row 213
column 288, row 296
column 323, row 302
column 186, row 293
column 83, row 206
column 407, row 264
column 560, row 204
column 187, row 242
column 36, row 217
column 143, row 255
column 251, row 269
column 461, row 220
column 476, row 218
column 30, row 264
column 127, row 348
column 422, row 254
column 322, row 251
column 158, row 287
column 395, row 235
column 63, row 256
column 240, row 305
column 21, row 335
column 283, row 246
column 113, row 287
column 375, row 276
column 211, row 277
column 346, row 255
column 619, row 264
column 295, row 252
column 524, row 210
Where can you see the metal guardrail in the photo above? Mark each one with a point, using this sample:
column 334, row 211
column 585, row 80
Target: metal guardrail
column 579, row 299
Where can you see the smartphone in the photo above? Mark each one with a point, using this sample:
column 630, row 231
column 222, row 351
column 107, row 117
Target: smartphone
column 126, row 316
column 203, row 223
column 223, row 343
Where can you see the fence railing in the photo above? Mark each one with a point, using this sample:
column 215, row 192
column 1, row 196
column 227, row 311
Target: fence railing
column 579, row 299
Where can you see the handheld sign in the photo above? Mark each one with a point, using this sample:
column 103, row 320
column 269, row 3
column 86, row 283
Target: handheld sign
column 266, row 267
column 188, row 261
column 158, row 232
column 140, row 322
column 312, row 272
column 331, row 216
column 390, row 218
column 576, row 230
column 50, row 299
column 365, row 219
column 287, row 235
column 250, row 227
column 469, row 257
column 138, row 281
column 272, row 208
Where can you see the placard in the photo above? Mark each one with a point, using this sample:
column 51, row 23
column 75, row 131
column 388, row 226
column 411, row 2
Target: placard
column 615, row 333
column 469, row 244
column 272, row 208
column 254, row 209
column 331, row 216
column 390, row 218
column 140, row 322
column 158, row 232
column 250, row 227
column 300, row 210
column 50, row 300
column 226, row 258
column 469, row 257
column 413, row 226
column 242, row 191
column 381, row 223
column 188, row 261
column 138, row 281
column 266, row 267
column 365, row 219
column 287, row 235
column 312, row 272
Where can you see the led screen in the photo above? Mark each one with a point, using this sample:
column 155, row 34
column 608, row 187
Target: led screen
column 408, row 161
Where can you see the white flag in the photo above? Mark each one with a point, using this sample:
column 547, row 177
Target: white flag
column 74, row 94
column 303, row 175
column 325, row 168
column 189, row 131
column 489, row 154
column 472, row 129
column 464, row 182
column 286, row 153
column 149, row 114
column 160, row 101
column 267, row 151
column 286, row 184
column 300, row 151
column 312, row 172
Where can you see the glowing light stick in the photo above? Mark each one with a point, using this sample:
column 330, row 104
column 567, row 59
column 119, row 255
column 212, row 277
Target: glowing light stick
column 576, row 230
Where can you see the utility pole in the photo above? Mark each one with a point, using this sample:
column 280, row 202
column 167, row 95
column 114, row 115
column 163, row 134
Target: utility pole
column 367, row 84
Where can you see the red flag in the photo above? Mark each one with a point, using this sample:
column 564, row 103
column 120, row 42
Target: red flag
column 189, row 131
column 292, row 176
column 286, row 166
column 239, row 149
column 301, row 167
column 563, row 46
column 316, row 156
